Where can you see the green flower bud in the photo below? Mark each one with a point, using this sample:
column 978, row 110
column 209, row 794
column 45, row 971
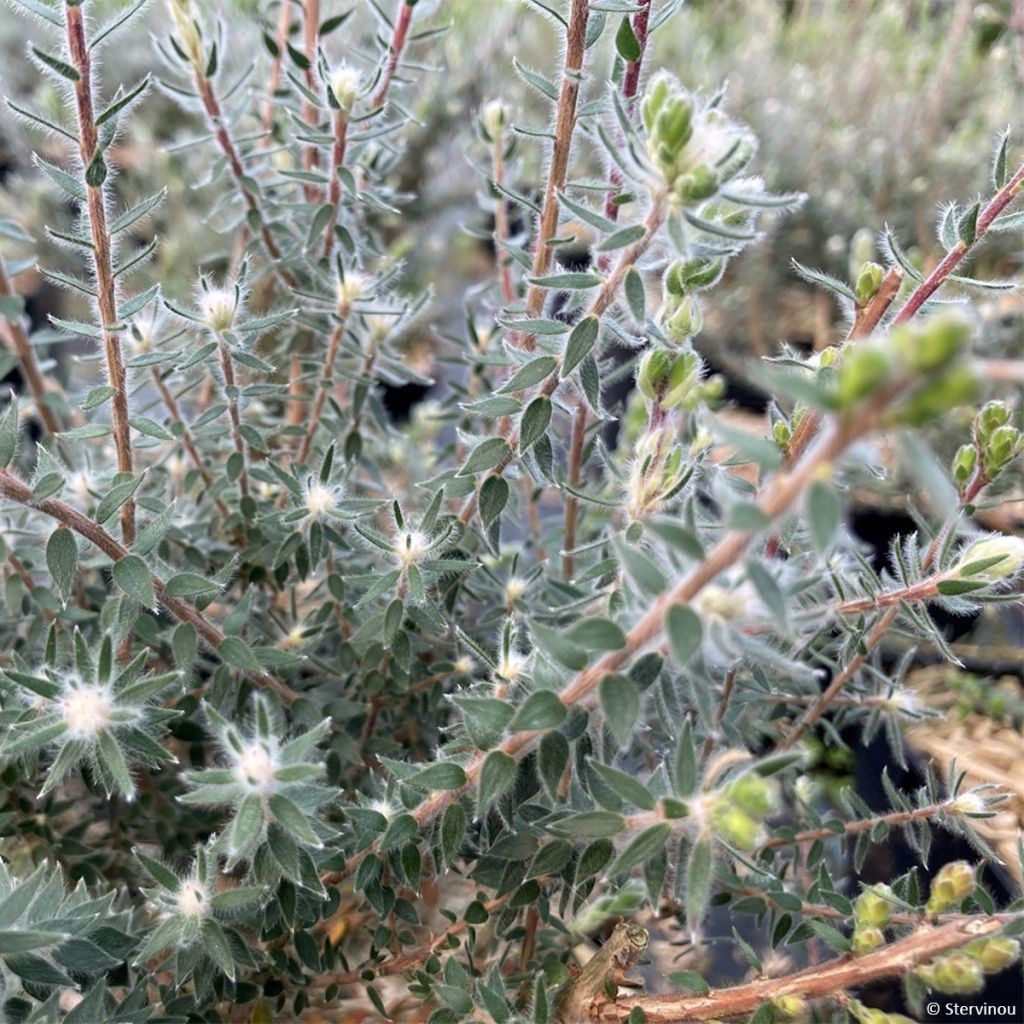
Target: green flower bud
column 782, row 433
column 956, row 386
column 872, row 908
column 869, row 280
column 685, row 276
column 995, row 954
column 667, row 377
column 1003, row 445
column 492, row 119
column 992, row 416
column 954, row 882
column 958, row 975
column 685, row 321
column 754, row 794
column 655, row 370
column 933, row 344
column 734, row 825
column 699, row 184
column 864, row 370
column 964, row 463
column 790, row 1006
column 866, row 939
column 657, row 92
column 1008, row 550
column 827, row 357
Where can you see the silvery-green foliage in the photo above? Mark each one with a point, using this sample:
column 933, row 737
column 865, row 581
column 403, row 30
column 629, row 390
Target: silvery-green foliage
column 305, row 695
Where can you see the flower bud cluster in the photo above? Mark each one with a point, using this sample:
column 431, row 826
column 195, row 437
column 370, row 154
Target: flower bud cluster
column 657, row 472
column 963, row 972
column 869, row 280
column 695, row 149
column 871, row 913
column 928, row 354
column 996, row 444
column 738, row 809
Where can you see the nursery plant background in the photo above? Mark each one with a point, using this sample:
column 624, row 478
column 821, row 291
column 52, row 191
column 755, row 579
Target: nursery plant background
column 506, row 499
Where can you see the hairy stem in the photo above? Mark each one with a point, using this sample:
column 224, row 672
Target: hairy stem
column 106, row 287
column 16, row 490
column 187, row 440
column 231, row 389
column 398, row 41
column 17, row 339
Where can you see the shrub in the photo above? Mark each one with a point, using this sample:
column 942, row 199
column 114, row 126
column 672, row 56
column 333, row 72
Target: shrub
column 347, row 698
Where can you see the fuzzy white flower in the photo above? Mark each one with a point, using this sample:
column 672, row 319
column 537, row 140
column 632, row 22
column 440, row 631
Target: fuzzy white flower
column 515, row 587
column 219, row 307
column 87, row 710
column 255, row 767
column 193, row 900
column 411, row 547
column 351, row 289
column 512, row 666
column 321, row 499
column 346, row 85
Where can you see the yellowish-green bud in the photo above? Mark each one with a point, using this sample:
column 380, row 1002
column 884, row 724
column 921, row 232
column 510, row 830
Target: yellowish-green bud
column 866, row 939
column 667, row 377
column 685, row 320
column 1005, row 555
column 951, row 886
column 734, row 825
column 754, row 794
column 790, row 1006
column 696, row 185
column 995, row 954
column 864, row 371
column 782, row 433
column 869, row 280
column 928, row 346
column 957, row 975
column 964, row 463
column 872, row 908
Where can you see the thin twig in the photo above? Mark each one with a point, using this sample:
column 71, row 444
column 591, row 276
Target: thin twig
column 16, row 490
column 18, row 341
column 398, row 41
column 106, row 287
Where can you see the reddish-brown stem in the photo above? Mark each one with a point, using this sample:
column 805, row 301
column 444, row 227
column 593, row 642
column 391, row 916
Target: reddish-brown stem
column 501, row 232
column 866, row 319
column 16, row 490
column 868, row 644
column 820, row 981
column 106, row 287
column 334, row 190
column 723, row 707
column 896, row 818
column 284, row 19
column 924, row 291
column 605, row 297
column 561, row 146
column 311, row 26
column 398, row 40
column 630, row 87
column 228, row 369
column 187, row 441
column 204, row 86
column 14, row 334
column 325, row 385
column 576, row 441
